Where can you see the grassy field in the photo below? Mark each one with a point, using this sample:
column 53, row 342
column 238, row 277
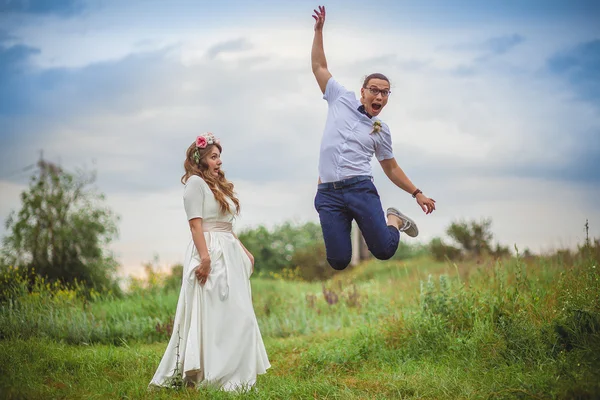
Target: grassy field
column 519, row 328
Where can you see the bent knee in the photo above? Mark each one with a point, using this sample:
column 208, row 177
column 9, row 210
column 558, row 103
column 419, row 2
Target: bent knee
column 338, row 264
column 384, row 255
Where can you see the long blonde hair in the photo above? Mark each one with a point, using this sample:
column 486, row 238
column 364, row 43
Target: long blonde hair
column 220, row 186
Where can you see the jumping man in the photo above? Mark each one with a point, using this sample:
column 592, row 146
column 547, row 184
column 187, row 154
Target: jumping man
column 353, row 133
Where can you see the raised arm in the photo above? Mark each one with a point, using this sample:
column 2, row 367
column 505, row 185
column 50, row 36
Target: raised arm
column 317, row 56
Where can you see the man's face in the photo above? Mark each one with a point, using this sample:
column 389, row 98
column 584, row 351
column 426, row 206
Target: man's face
column 375, row 95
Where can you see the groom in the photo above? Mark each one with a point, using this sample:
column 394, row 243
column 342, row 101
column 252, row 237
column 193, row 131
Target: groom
column 353, row 134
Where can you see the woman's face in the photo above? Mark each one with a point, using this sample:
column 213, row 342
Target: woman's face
column 213, row 160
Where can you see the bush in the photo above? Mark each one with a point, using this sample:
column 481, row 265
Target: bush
column 155, row 280
column 474, row 241
column 35, row 307
column 407, row 251
column 274, row 249
column 312, row 264
column 441, row 251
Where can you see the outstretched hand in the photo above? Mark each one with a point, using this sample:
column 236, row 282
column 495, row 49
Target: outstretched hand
column 427, row 204
column 319, row 18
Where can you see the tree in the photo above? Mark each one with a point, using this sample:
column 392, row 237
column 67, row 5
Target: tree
column 62, row 229
column 474, row 240
column 474, row 237
column 442, row 251
column 274, row 249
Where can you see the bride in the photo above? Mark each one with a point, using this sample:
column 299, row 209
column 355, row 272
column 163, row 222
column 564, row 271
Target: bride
column 216, row 340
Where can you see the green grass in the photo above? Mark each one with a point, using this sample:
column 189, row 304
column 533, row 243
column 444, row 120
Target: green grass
column 400, row 330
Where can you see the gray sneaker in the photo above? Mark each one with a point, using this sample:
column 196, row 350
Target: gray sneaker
column 408, row 225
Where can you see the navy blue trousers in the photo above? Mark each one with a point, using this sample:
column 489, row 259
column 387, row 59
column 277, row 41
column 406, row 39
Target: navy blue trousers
column 338, row 203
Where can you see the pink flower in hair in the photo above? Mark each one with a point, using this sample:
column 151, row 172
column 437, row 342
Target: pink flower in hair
column 201, row 142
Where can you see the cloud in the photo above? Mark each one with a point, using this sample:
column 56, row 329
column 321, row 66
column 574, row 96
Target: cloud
column 14, row 79
column 230, row 46
column 137, row 115
column 495, row 45
column 481, row 53
column 502, row 44
column 481, row 143
column 526, row 211
column 580, row 66
column 14, row 59
column 6, row 36
column 59, row 7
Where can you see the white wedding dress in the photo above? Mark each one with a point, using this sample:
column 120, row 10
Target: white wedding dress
column 216, row 339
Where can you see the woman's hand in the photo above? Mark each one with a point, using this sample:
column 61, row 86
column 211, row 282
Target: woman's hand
column 203, row 270
column 251, row 257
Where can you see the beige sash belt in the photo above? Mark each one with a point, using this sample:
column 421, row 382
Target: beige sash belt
column 217, row 226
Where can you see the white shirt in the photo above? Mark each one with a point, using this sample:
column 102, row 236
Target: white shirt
column 347, row 144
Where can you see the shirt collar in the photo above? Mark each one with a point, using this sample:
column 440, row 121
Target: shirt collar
column 361, row 109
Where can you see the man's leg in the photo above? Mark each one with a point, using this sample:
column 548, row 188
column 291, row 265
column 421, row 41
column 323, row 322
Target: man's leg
column 365, row 205
column 336, row 223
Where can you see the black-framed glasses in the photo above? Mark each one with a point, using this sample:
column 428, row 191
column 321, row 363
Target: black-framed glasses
column 375, row 91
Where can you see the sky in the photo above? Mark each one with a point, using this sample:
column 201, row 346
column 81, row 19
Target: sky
column 494, row 112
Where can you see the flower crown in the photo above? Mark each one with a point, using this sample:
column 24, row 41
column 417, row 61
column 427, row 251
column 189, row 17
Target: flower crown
column 202, row 141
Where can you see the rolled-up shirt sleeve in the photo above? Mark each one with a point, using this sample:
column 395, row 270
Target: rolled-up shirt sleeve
column 383, row 150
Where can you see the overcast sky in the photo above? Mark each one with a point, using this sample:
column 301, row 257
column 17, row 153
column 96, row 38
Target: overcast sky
column 495, row 110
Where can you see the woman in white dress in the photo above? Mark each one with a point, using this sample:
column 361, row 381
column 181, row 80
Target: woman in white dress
column 215, row 340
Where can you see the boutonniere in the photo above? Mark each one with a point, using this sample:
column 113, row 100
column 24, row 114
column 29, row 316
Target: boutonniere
column 376, row 126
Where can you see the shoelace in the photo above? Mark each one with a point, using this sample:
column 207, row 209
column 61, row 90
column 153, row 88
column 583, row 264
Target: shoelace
column 406, row 225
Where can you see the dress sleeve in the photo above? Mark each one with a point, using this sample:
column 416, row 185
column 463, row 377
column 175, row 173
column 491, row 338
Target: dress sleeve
column 193, row 197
